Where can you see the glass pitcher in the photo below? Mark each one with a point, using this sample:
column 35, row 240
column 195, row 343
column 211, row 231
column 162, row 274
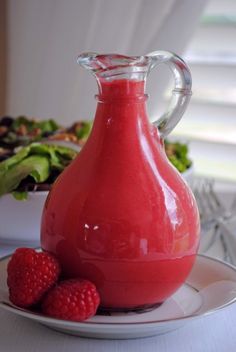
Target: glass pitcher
column 121, row 215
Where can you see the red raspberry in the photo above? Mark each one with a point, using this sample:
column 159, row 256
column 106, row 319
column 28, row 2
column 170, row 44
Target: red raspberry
column 30, row 275
column 74, row 299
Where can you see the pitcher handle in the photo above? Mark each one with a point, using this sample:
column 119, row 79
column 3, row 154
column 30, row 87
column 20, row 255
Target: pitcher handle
column 181, row 93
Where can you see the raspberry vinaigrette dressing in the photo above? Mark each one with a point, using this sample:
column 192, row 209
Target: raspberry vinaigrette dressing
column 120, row 215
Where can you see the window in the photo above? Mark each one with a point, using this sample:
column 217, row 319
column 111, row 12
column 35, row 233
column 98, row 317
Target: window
column 210, row 121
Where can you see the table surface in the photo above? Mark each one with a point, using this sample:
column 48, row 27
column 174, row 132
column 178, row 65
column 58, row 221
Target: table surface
column 213, row 333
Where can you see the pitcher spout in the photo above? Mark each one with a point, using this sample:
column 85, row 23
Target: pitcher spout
column 115, row 66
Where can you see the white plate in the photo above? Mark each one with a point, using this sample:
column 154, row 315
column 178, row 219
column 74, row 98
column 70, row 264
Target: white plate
column 210, row 286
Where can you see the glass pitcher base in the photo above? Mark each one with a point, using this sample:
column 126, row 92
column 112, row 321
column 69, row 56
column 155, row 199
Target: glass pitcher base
column 139, row 309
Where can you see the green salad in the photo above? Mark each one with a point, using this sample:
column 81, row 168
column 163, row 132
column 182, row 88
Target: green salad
column 177, row 153
column 22, row 131
column 32, row 166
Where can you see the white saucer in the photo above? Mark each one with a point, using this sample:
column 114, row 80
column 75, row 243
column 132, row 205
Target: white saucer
column 210, row 287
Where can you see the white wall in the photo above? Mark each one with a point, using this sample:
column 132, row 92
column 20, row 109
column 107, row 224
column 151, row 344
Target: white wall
column 45, row 37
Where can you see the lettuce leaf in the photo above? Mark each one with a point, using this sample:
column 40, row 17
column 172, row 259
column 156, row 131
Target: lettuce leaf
column 59, row 156
column 84, row 130
column 15, row 159
column 36, row 160
column 20, row 195
column 36, row 166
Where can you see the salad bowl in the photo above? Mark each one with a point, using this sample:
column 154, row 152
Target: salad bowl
column 21, row 207
column 20, row 220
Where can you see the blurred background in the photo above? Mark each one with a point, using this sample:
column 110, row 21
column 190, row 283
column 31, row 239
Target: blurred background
column 39, row 76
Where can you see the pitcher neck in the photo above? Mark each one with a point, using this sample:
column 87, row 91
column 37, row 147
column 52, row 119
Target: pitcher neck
column 121, row 91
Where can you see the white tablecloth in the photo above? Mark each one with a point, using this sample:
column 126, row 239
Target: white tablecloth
column 214, row 333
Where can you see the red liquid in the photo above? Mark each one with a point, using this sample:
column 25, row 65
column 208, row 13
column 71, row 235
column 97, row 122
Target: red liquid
column 120, row 215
